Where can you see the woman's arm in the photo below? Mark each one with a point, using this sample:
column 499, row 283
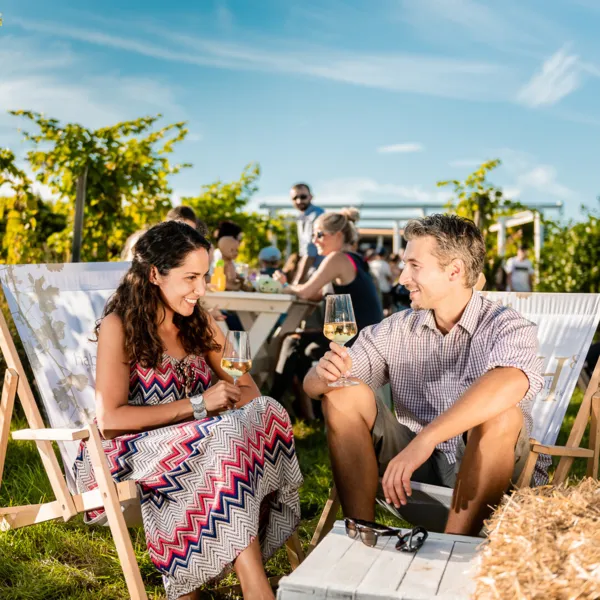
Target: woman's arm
column 335, row 266
column 249, row 390
column 115, row 416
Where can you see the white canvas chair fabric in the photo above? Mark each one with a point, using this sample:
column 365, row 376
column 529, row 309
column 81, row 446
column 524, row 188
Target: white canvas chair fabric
column 55, row 308
column 566, row 326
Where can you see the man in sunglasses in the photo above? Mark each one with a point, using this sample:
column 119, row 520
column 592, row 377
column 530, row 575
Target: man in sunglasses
column 463, row 372
column 301, row 197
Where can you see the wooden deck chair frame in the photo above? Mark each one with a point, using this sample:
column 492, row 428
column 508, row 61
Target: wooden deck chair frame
column 589, row 411
column 109, row 495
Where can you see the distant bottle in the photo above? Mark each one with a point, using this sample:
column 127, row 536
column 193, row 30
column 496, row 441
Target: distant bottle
column 218, row 279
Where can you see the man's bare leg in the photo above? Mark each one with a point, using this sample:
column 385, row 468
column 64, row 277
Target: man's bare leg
column 350, row 414
column 485, row 472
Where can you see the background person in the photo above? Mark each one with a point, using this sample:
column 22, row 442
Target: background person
column 519, row 272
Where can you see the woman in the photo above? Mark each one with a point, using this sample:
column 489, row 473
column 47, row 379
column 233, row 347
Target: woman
column 344, row 272
column 212, row 483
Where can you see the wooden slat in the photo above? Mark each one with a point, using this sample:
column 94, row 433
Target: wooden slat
column 249, row 301
column 14, row 517
column 312, row 575
column 457, row 581
column 593, row 462
column 47, row 433
column 126, row 490
column 351, row 569
column 385, row 574
column 562, row 451
column 328, row 517
column 9, row 391
column 294, row 550
column 35, row 421
column 425, row 572
column 116, row 522
column 578, row 429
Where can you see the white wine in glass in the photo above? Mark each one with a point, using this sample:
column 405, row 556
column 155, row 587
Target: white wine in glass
column 237, row 360
column 340, row 326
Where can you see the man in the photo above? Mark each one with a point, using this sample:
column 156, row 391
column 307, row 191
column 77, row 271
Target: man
column 301, row 197
column 519, row 271
column 382, row 272
column 463, row 371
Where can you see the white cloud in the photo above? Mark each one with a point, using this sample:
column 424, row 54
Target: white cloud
column 437, row 76
column 559, row 76
column 543, row 179
column 405, row 148
column 48, row 79
column 466, row 162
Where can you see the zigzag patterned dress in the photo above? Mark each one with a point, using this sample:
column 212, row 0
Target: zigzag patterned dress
column 208, row 488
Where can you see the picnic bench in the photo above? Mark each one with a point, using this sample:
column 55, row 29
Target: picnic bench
column 341, row 567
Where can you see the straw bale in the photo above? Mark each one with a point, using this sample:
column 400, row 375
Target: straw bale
column 544, row 543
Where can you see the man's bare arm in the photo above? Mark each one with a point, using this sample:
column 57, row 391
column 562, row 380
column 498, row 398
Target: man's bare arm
column 335, row 364
column 492, row 394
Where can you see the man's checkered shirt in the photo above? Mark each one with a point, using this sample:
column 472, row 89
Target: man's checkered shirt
column 428, row 371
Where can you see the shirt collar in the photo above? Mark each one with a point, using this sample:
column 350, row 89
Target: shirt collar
column 468, row 320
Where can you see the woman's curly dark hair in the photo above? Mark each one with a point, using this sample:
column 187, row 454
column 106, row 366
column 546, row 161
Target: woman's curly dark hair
column 137, row 301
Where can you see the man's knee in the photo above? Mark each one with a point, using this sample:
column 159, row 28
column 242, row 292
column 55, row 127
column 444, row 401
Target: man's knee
column 350, row 403
column 503, row 427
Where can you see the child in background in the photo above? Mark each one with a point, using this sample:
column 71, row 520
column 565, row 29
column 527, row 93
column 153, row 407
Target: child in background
column 269, row 259
column 229, row 249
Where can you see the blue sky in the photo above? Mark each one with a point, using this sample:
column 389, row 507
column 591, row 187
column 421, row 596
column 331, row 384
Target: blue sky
column 364, row 99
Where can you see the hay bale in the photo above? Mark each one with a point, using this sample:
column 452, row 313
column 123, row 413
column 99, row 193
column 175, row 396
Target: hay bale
column 544, row 543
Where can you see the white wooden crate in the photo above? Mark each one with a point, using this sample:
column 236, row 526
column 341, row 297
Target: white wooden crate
column 342, row 568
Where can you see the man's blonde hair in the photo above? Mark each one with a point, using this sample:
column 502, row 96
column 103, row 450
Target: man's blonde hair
column 456, row 237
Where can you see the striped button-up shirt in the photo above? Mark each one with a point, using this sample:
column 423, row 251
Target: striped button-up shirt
column 428, row 371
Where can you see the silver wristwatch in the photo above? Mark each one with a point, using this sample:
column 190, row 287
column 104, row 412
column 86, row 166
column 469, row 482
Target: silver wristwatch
column 198, row 406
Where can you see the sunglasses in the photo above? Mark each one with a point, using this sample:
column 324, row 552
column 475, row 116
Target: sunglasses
column 300, row 197
column 318, row 234
column 370, row 532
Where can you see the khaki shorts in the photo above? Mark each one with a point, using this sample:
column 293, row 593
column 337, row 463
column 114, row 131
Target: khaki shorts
column 391, row 437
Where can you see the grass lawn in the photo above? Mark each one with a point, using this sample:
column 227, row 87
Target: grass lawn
column 56, row 560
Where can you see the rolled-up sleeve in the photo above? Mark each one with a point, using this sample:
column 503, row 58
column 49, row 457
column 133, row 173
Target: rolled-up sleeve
column 370, row 354
column 516, row 346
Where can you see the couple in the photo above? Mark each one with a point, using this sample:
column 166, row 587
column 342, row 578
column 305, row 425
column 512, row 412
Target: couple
column 221, row 490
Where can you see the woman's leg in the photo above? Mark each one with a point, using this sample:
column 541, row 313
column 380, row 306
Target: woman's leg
column 251, row 573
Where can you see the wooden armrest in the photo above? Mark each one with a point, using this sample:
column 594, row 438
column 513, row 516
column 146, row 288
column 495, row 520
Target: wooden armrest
column 562, row 451
column 52, row 435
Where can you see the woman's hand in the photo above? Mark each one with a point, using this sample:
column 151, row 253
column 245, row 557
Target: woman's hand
column 280, row 276
column 221, row 396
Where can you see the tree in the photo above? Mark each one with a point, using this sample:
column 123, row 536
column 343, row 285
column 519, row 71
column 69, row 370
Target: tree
column 127, row 181
column 484, row 203
column 26, row 221
column 220, row 201
column 570, row 260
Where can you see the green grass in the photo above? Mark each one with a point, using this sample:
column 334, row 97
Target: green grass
column 56, row 560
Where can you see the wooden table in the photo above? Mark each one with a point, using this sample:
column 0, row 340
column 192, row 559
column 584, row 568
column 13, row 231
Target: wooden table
column 340, row 567
column 259, row 313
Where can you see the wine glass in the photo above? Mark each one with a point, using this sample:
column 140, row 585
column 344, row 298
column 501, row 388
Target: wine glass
column 237, row 359
column 340, row 326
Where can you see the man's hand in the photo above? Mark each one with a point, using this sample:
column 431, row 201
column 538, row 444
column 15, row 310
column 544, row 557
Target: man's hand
column 335, row 364
column 396, row 479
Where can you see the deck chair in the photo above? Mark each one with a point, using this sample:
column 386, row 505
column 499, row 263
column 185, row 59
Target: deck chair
column 566, row 326
column 54, row 308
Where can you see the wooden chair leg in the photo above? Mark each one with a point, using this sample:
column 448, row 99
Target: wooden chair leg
column 116, row 521
column 527, row 472
column 294, row 550
column 593, row 462
column 9, row 392
column 327, row 519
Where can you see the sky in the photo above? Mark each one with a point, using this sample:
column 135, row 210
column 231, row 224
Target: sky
column 366, row 100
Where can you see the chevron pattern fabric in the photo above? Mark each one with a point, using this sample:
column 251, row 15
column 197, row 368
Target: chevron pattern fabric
column 208, row 488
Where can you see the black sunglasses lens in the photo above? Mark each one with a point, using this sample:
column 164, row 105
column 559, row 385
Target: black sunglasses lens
column 351, row 531
column 368, row 537
column 301, row 197
column 412, row 541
